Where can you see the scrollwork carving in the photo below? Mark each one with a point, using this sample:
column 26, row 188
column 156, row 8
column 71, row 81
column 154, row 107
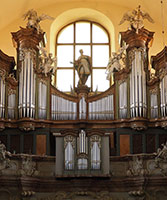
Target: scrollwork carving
column 67, row 139
column 28, row 167
column 136, row 167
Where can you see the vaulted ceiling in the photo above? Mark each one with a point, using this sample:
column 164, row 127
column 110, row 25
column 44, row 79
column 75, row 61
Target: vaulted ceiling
column 12, row 10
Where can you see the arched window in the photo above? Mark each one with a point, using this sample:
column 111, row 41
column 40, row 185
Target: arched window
column 95, row 42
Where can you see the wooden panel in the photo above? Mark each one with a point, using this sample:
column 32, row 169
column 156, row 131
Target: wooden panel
column 41, row 145
column 124, row 144
column 137, row 143
column 28, row 144
column 112, row 144
column 150, row 143
column 3, row 139
column 15, row 143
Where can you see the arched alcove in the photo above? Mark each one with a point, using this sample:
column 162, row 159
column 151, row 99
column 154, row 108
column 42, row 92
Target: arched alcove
column 80, row 14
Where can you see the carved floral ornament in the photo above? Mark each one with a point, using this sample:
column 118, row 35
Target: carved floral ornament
column 2, row 74
column 23, row 53
column 71, row 139
column 95, row 138
column 162, row 73
column 131, row 54
column 154, row 90
column 11, row 91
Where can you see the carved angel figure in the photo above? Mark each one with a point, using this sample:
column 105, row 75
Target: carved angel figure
column 136, row 18
column 47, row 63
column 34, row 19
column 114, row 61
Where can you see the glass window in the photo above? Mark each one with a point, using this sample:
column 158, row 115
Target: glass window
column 94, row 40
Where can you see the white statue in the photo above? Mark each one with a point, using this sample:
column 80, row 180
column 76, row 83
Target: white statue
column 114, row 61
column 47, row 63
column 136, row 18
column 34, row 19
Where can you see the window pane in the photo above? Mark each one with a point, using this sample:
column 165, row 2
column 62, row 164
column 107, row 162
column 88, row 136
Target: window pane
column 86, row 50
column 82, row 32
column 99, row 80
column 66, row 35
column 100, row 55
column 99, row 35
column 65, row 55
column 64, row 79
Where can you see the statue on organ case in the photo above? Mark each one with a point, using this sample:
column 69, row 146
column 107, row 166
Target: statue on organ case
column 114, row 61
column 34, row 19
column 47, row 63
column 83, row 67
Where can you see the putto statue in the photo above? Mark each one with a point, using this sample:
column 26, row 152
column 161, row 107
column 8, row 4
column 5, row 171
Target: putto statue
column 47, row 63
column 34, row 19
column 114, row 61
column 83, row 67
column 136, row 18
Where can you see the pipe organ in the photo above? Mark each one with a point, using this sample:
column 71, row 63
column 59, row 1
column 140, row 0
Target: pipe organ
column 27, row 83
column 138, row 102
column 131, row 97
column 2, row 94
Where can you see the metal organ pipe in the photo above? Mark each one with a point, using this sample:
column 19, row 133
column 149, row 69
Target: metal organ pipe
column 82, row 108
column 11, row 106
column 42, row 100
column 27, row 79
column 138, row 106
column 123, row 100
column 154, row 105
column 102, row 109
column 163, row 93
column 63, row 109
column 2, row 97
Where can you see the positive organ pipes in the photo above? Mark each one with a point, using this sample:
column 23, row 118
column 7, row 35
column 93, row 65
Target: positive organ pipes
column 27, row 84
column 138, row 106
column 163, row 92
column 2, row 96
column 123, row 100
column 63, row 109
column 102, row 109
column 42, row 101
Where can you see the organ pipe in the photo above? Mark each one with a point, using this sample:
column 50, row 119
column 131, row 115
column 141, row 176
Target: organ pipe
column 2, row 97
column 27, row 79
column 102, row 109
column 42, row 100
column 11, row 105
column 138, row 106
column 63, row 109
column 123, row 100
column 163, row 94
